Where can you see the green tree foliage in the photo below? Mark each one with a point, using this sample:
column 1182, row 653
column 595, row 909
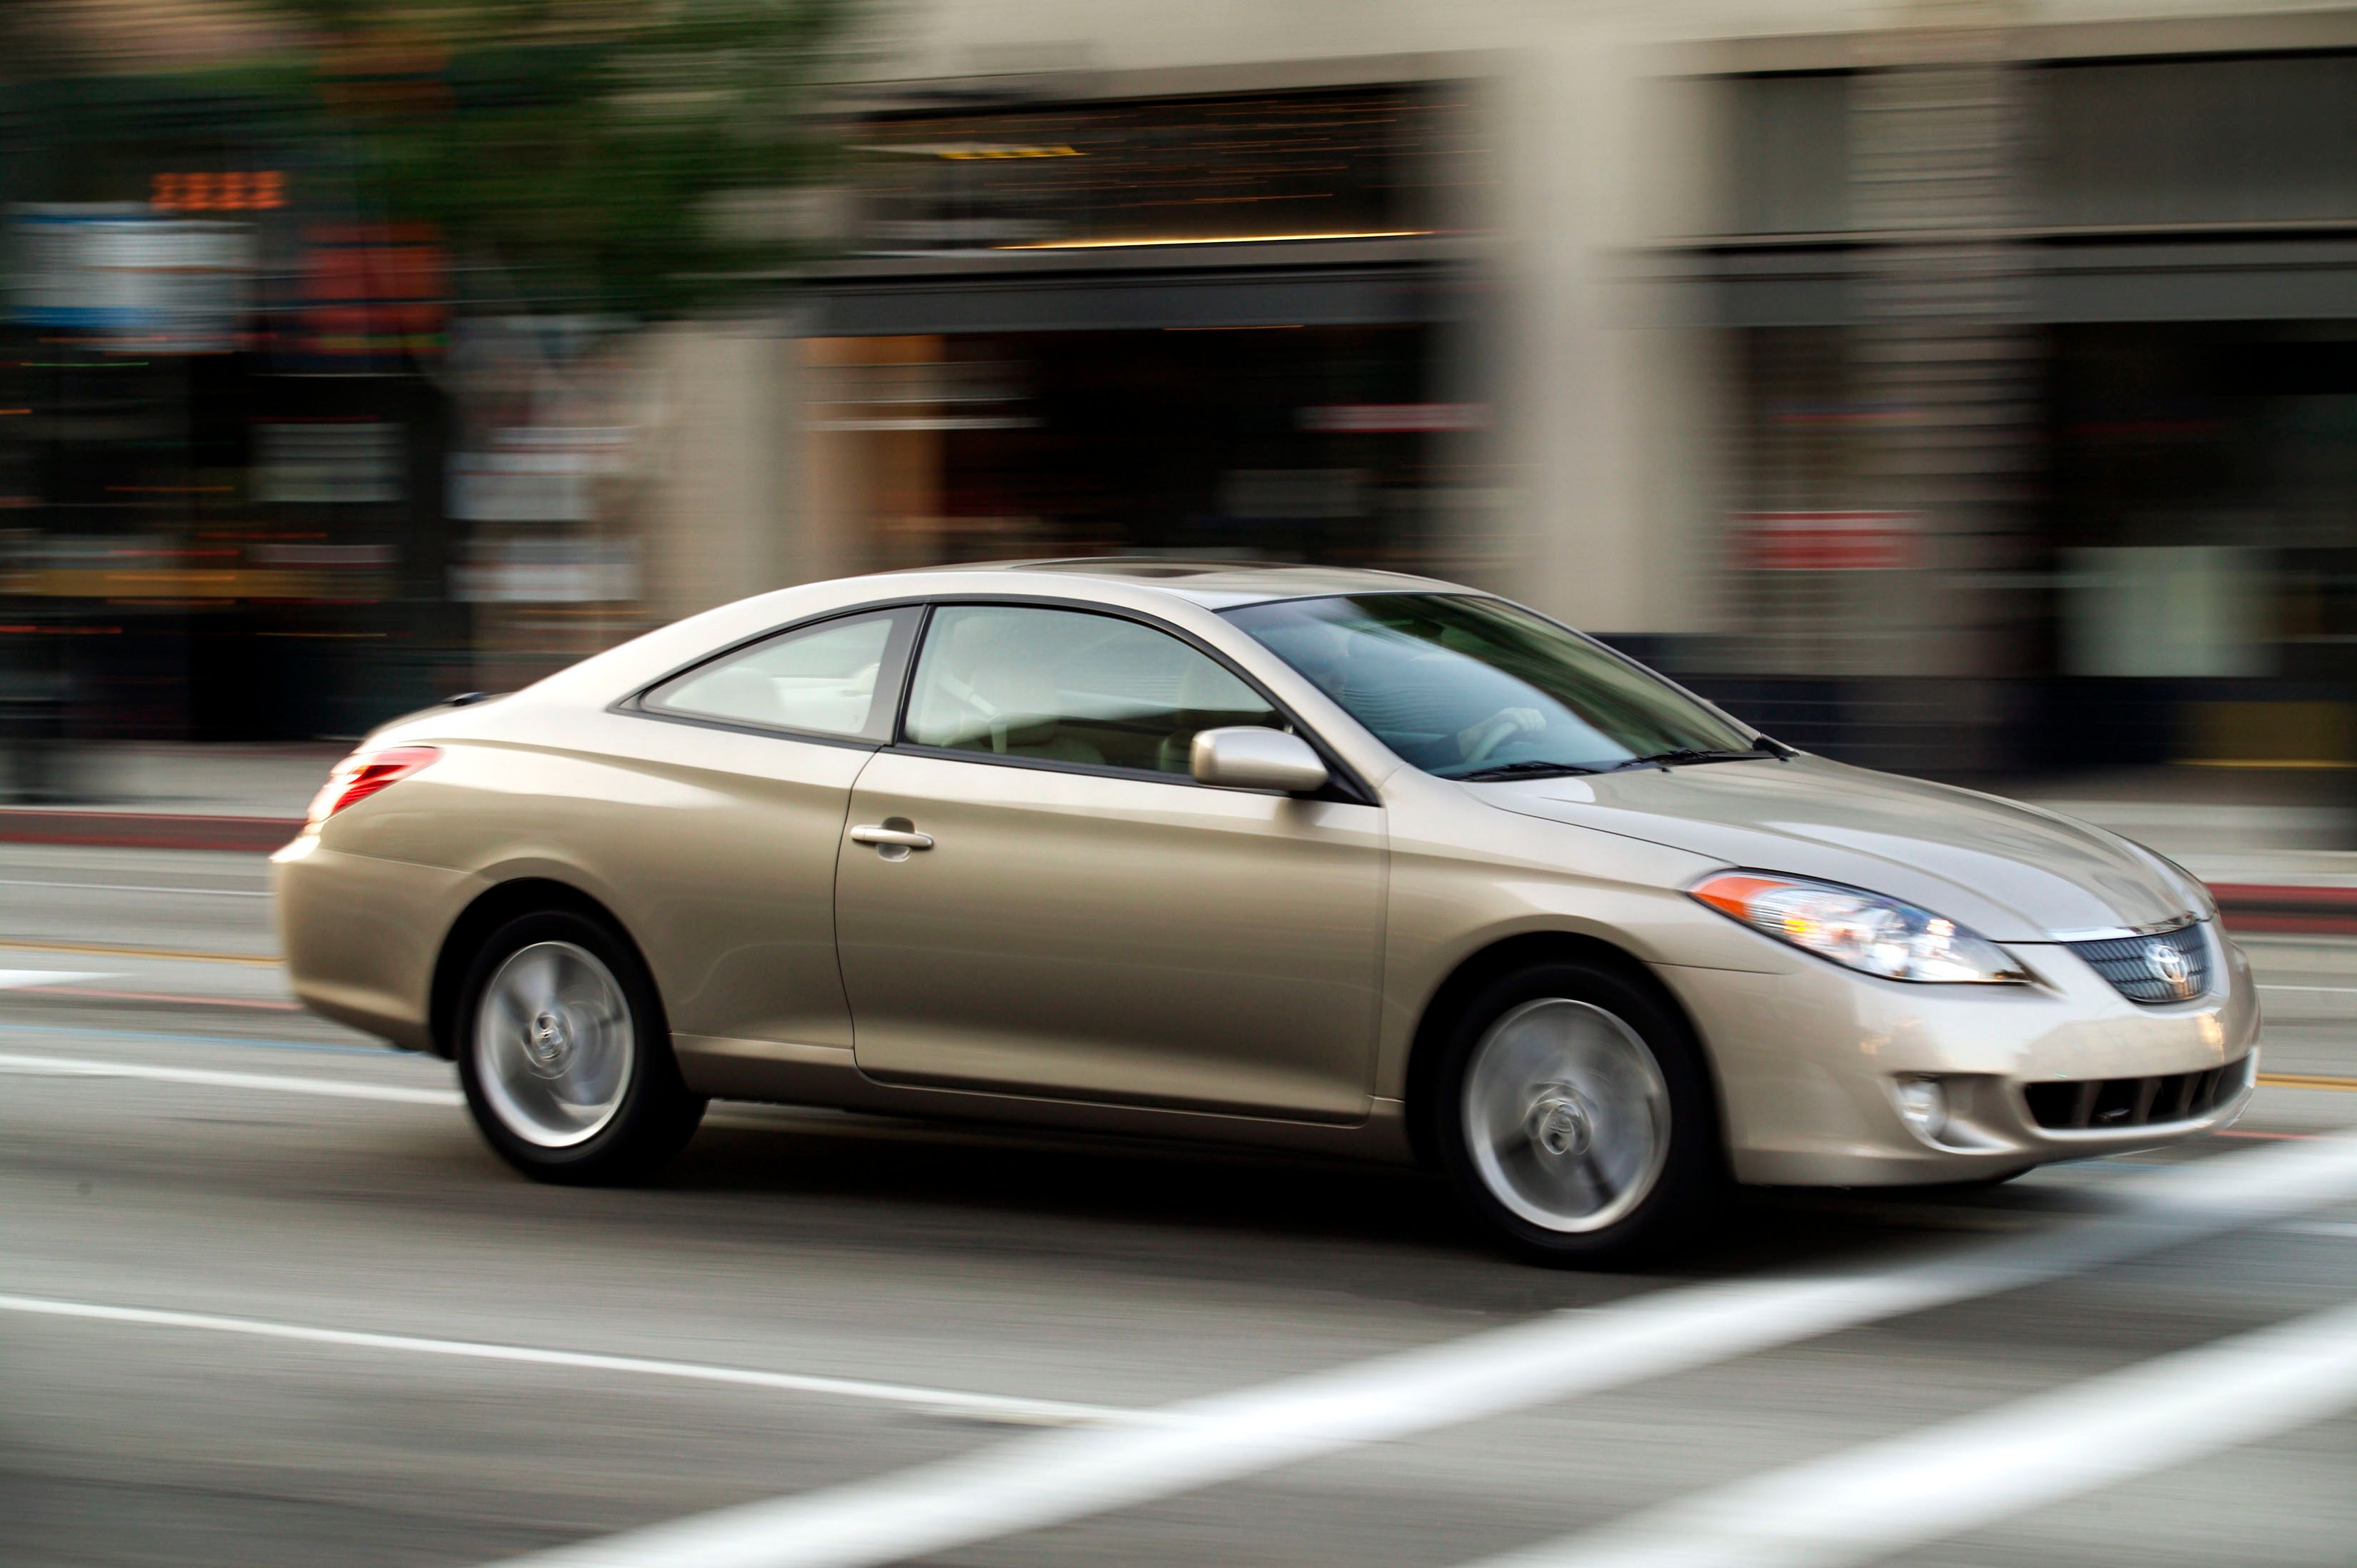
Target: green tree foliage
column 576, row 155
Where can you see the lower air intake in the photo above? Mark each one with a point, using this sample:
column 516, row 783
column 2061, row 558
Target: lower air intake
column 2107, row 1104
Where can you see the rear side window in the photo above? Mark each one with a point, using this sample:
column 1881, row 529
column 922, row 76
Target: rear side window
column 837, row 678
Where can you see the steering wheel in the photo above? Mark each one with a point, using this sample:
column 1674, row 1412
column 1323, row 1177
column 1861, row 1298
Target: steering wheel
column 1481, row 739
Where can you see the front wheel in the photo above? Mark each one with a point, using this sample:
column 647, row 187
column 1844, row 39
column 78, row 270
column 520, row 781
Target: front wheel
column 564, row 1056
column 1575, row 1119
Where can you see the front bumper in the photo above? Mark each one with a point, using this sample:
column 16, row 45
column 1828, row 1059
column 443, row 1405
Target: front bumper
column 1807, row 1061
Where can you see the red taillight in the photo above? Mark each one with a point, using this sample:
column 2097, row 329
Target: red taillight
column 364, row 773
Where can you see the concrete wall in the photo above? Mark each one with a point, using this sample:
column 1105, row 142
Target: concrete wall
column 739, row 499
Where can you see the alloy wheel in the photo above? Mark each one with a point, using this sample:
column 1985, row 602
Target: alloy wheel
column 554, row 1045
column 1566, row 1114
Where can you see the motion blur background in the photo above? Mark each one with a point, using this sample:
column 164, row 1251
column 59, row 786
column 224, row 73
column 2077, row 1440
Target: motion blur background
column 1964, row 388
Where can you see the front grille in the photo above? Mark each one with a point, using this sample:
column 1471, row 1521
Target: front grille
column 2103, row 1104
column 2167, row 966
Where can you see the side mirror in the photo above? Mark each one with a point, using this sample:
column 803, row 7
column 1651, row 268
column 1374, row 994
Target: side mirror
column 1246, row 757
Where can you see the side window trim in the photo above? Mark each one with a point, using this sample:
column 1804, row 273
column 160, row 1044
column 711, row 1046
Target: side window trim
column 1344, row 785
column 892, row 674
column 897, row 736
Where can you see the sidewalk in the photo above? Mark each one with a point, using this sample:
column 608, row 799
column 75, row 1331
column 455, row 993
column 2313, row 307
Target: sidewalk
column 159, row 796
column 2270, row 842
column 224, row 780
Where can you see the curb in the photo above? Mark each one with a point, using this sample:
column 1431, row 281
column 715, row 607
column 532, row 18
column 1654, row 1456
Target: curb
column 145, row 829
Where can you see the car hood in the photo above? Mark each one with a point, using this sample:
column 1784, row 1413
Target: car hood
column 2011, row 871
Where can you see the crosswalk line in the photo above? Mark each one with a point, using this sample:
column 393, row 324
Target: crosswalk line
column 273, row 1083
column 17, row 979
column 1055, row 1477
column 1868, row 1503
column 945, row 1401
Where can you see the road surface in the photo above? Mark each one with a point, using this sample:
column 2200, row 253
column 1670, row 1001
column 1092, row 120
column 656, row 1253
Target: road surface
column 265, row 1299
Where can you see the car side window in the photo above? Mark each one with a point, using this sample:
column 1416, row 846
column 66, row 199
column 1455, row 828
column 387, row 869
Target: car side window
column 832, row 679
column 1069, row 686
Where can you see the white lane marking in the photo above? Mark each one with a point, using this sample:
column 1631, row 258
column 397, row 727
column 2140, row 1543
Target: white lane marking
column 747, row 1118
column 1054, row 1478
column 1868, row 1503
column 956, row 1402
column 780, row 1117
column 2341, row 1228
column 2324, row 990
column 275, row 1083
column 15, row 979
column 133, row 887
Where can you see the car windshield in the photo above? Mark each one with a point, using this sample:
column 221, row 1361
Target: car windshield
column 1469, row 688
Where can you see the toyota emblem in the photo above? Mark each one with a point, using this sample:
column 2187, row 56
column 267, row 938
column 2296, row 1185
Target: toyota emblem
column 2167, row 965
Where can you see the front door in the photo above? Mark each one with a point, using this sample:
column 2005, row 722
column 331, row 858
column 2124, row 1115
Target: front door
column 1055, row 908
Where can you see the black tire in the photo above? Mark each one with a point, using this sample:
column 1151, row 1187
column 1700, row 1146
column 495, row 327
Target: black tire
column 656, row 1113
column 1689, row 1185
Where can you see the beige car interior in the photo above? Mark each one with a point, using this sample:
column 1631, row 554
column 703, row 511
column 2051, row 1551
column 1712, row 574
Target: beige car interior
column 821, row 680
column 1065, row 686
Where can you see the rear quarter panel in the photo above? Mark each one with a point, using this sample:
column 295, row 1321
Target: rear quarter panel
column 361, row 934
column 714, row 849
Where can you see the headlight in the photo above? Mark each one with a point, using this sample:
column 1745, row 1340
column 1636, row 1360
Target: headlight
column 1860, row 930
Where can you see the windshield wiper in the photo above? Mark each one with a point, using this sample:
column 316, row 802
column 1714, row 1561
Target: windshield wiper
column 1524, row 770
column 1678, row 755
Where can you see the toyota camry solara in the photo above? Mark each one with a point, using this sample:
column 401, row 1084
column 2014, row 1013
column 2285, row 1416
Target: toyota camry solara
column 1325, row 860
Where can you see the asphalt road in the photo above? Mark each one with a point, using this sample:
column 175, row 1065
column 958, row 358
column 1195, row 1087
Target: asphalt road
column 266, row 1300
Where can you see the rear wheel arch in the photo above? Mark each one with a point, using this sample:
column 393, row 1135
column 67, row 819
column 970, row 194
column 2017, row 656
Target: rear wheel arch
column 1479, row 970
column 492, row 909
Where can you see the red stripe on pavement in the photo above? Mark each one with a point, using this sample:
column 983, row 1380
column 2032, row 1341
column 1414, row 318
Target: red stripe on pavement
column 2286, row 896
column 2267, row 925
column 2287, row 910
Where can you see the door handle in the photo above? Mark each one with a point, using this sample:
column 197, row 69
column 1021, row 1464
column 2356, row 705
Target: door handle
column 890, row 838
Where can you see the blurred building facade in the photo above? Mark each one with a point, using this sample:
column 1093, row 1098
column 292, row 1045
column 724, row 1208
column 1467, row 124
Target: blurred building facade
column 223, row 441
column 1956, row 386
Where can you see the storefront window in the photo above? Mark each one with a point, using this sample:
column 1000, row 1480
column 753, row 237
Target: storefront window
column 1306, row 442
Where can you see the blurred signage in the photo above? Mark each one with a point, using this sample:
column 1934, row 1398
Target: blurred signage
column 1373, row 418
column 373, row 291
column 384, row 72
column 537, row 473
column 1829, row 541
column 962, row 150
column 222, row 190
column 172, row 285
column 122, row 568
column 1330, row 162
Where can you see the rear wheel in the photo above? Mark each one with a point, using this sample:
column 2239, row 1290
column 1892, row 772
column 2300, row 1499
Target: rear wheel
column 564, row 1056
column 1573, row 1117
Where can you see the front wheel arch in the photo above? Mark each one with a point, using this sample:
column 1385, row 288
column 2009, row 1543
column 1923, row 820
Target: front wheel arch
column 1475, row 974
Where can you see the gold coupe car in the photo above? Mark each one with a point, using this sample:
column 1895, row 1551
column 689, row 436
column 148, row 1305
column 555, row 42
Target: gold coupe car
column 1325, row 860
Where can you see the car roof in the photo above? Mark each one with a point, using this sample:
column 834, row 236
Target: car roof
column 1220, row 585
